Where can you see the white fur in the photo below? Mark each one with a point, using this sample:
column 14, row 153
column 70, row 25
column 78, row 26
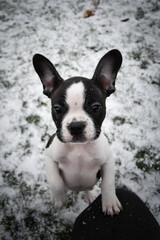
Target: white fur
column 75, row 166
column 75, row 96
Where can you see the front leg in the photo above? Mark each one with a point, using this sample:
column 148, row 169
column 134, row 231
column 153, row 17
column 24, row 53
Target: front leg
column 110, row 202
column 56, row 184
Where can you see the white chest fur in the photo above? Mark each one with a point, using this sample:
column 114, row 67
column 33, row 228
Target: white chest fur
column 75, row 166
column 79, row 163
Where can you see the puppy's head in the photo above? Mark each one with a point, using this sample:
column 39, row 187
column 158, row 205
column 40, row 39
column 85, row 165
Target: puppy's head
column 78, row 104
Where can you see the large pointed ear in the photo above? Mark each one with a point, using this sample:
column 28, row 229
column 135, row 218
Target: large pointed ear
column 47, row 73
column 106, row 71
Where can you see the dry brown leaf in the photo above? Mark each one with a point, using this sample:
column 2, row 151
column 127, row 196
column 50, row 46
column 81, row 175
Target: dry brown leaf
column 88, row 13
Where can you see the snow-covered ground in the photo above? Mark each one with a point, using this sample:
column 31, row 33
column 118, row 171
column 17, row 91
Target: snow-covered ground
column 75, row 44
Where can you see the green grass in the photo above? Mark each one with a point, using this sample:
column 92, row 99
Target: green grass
column 144, row 64
column 148, row 159
column 40, row 103
column 35, row 119
column 21, row 219
column 139, row 13
column 119, row 120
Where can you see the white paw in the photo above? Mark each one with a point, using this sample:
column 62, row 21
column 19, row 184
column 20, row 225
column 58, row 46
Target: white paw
column 111, row 205
column 90, row 196
column 59, row 202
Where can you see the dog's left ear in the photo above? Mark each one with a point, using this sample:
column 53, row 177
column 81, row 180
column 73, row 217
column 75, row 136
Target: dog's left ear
column 106, row 71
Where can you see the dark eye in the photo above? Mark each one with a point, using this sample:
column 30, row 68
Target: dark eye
column 96, row 107
column 57, row 109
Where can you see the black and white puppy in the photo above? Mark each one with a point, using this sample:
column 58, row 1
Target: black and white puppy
column 79, row 152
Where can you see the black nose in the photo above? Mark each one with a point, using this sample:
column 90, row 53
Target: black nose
column 76, row 128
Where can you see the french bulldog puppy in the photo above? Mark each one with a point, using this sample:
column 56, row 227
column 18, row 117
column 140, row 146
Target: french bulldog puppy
column 78, row 153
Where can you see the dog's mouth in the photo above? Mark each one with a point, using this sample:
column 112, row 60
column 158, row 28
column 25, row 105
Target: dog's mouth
column 73, row 139
column 80, row 138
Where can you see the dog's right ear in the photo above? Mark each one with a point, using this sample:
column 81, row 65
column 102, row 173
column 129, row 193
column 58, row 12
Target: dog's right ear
column 47, row 73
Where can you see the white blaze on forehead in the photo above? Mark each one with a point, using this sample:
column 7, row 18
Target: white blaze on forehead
column 75, row 96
